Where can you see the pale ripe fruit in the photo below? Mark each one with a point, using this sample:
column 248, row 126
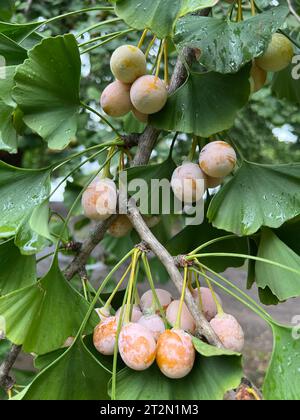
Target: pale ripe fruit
column 120, row 227
column 278, row 55
column 187, row 322
column 258, row 78
column 149, row 94
column 154, row 324
column 209, row 307
column 103, row 313
column 217, row 159
column 115, row 99
column 188, row 183
column 143, row 118
column 137, row 346
column 213, row 182
column 136, row 313
column 152, row 221
column 148, row 302
column 105, row 336
column 99, row 201
column 128, row 63
column 229, row 332
column 175, row 354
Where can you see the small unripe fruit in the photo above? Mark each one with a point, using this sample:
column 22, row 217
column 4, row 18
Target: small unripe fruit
column 103, row 313
column 154, row 324
column 175, row 354
column 137, row 346
column 229, row 332
column 128, row 63
column 105, row 336
column 143, row 118
column 115, row 99
column 213, row 182
column 120, row 227
column 188, row 183
column 258, row 78
column 209, row 307
column 217, row 159
column 99, row 201
column 278, row 55
column 187, row 322
column 149, row 94
column 136, row 313
column 148, row 302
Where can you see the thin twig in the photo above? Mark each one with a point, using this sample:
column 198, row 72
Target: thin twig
column 292, row 10
column 6, row 382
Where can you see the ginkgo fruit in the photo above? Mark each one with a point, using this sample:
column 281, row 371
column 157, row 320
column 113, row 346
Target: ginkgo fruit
column 229, row 332
column 278, row 55
column 217, row 159
column 188, row 183
column 137, row 346
column 213, row 182
column 149, row 94
column 258, row 78
column 120, row 227
column 143, row 118
column 208, row 304
column 154, row 323
column 187, row 322
column 99, row 201
column 176, row 354
column 104, row 337
column 115, row 99
column 148, row 302
column 136, row 313
column 103, row 313
column 128, row 63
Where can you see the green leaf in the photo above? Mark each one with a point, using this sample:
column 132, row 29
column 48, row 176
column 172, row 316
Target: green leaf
column 75, row 375
column 193, row 236
column 158, row 16
column 21, row 190
column 204, row 114
column 17, row 271
column 289, row 233
column 7, row 84
column 283, row 284
column 12, row 52
column 210, row 379
column 227, row 46
column 258, row 195
column 151, row 196
column 8, row 135
column 47, row 90
column 282, row 381
column 210, row 351
column 285, row 86
column 18, row 32
column 42, row 316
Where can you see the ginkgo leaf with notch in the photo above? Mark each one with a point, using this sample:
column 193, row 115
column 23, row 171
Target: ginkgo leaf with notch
column 210, row 379
column 257, row 195
column 21, row 191
column 158, row 15
column 226, row 46
column 42, row 316
column 47, row 90
column 17, row 271
column 283, row 283
column 193, row 108
column 75, row 375
column 282, row 381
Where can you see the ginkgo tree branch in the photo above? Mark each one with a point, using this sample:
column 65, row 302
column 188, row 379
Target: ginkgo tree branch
column 6, row 382
column 203, row 326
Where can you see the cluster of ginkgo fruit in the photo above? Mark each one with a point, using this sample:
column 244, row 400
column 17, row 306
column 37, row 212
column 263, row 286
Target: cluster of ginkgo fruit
column 164, row 334
column 277, row 57
column 133, row 90
column 190, row 180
